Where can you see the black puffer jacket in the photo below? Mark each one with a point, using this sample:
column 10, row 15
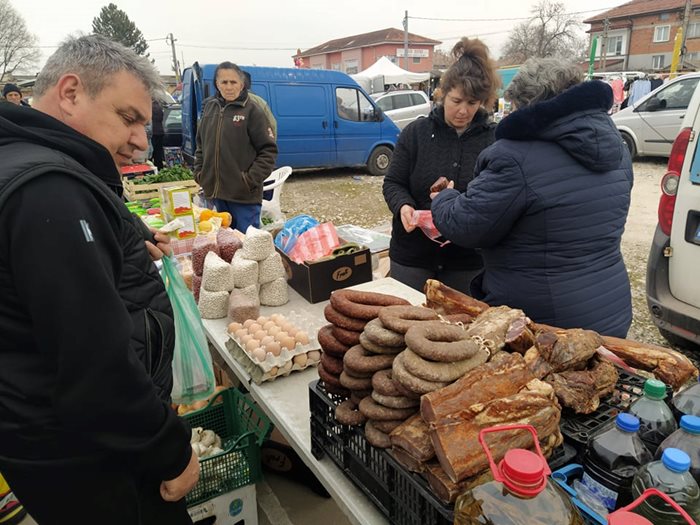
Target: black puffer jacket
column 548, row 209
column 428, row 149
column 87, row 328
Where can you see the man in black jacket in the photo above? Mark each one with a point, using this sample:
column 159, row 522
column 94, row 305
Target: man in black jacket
column 87, row 434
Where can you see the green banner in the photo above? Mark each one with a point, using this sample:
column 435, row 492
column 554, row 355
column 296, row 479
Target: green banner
column 591, row 61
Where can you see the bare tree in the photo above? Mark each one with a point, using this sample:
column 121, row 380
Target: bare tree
column 18, row 51
column 550, row 32
column 442, row 59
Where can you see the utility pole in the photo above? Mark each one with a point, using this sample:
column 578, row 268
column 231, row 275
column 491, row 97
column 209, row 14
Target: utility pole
column 176, row 68
column 405, row 40
column 604, row 47
column 686, row 21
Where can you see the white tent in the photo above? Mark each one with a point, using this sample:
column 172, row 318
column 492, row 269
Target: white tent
column 384, row 71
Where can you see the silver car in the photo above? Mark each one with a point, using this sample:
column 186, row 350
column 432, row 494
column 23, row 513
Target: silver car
column 650, row 126
column 403, row 107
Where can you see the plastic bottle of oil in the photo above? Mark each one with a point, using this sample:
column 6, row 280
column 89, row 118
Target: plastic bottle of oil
column 655, row 416
column 521, row 493
column 626, row 516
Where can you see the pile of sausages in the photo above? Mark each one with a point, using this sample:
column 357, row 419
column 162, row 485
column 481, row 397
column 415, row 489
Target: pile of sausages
column 357, row 360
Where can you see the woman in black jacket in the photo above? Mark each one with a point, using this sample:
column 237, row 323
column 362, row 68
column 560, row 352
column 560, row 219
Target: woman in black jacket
column 548, row 207
column 446, row 144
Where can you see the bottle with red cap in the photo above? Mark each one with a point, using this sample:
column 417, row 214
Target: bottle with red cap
column 521, row 493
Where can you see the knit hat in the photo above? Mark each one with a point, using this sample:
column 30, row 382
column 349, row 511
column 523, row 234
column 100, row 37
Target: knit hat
column 9, row 88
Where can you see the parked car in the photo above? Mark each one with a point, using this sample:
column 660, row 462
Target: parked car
column 649, row 126
column 172, row 126
column 673, row 290
column 324, row 118
column 403, row 107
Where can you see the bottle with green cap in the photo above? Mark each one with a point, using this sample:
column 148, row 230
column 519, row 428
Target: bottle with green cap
column 655, row 417
column 687, row 439
column 672, row 477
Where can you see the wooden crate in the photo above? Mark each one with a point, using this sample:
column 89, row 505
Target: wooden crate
column 136, row 192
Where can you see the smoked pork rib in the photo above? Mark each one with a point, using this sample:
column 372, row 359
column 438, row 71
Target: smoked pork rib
column 504, row 375
column 671, row 367
column 581, row 390
column 569, row 349
column 413, row 436
column 446, row 300
column 456, row 439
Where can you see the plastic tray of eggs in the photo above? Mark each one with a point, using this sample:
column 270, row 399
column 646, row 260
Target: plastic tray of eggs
column 276, row 344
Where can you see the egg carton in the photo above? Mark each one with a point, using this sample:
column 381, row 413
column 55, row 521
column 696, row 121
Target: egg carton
column 274, row 366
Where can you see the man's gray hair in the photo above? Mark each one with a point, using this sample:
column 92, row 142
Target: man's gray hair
column 95, row 58
column 542, row 78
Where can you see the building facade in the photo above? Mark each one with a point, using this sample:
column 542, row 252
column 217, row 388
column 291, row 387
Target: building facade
column 356, row 53
column 641, row 34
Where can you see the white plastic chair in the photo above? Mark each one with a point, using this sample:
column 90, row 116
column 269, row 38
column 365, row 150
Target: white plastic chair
column 274, row 182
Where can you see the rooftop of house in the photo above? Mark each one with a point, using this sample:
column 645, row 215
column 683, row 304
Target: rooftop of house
column 639, row 7
column 383, row 36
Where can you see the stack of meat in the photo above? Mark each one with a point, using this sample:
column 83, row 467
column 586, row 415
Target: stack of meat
column 669, row 366
column 500, row 392
column 439, row 353
column 348, row 313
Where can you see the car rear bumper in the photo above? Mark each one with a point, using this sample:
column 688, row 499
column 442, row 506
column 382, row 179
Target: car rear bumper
column 667, row 312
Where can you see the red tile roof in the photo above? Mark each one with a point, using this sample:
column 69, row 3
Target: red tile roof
column 639, row 7
column 383, row 36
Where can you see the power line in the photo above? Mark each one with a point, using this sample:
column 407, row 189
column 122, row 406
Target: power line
column 499, row 19
column 240, row 48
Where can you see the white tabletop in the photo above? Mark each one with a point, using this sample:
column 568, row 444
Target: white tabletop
column 286, row 401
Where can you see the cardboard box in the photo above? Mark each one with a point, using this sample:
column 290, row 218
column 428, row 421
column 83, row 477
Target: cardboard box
column 315, row 281
column 175, row 201
column 278, row 457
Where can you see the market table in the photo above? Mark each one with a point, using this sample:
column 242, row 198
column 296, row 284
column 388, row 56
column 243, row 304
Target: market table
column 286, row 400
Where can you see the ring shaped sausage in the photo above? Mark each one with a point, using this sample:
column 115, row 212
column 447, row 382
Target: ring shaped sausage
column 411, row 382
column 441, row 342
column 363, row 305
column 401, row 318
column 375, row 332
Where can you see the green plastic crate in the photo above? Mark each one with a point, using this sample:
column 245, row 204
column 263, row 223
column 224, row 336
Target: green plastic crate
column 242, row 427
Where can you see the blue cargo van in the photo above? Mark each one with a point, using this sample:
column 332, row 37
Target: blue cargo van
column 324, row 119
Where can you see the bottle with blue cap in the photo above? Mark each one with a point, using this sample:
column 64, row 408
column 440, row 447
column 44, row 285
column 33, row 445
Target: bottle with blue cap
column 613, row 456
column 687, row 401
column 687, row 439
column 655, row 417
column 672, row 477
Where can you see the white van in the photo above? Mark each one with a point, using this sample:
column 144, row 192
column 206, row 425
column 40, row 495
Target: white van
column 673, row 287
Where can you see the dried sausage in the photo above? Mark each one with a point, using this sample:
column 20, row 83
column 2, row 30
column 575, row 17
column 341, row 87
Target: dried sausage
column 372, row 410
column 377, row 333
column 374, row 348
column 411, row 382
column 329, row 343
column 363, row 305
column 401, row 318
column 441, row 342
column 333, row 316
column 347, row 337
column 357, row 358
column 432, row 371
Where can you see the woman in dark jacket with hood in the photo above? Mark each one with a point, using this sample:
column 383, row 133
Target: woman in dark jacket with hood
column 446, row 144
column 549, row 204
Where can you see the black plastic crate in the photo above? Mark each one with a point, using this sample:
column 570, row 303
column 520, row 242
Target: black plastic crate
column 403, row 497
column 578, row 428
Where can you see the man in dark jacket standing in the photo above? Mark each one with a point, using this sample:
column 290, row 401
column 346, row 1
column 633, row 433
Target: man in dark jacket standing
column 86, row 328
column 549, row 204
column 236, row 149
column 157, row 133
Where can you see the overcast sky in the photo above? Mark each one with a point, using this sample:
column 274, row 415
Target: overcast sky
column 268, row 32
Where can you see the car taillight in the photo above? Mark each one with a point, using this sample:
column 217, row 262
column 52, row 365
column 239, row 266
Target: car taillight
column 670, row 181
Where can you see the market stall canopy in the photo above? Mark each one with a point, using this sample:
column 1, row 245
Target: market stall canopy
column 390, row 73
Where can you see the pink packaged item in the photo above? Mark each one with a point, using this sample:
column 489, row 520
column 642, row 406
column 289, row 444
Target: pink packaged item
column 315, row 243
column 423, row 219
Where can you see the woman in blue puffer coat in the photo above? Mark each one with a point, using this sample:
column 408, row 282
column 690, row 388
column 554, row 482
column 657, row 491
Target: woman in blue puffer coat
column 548, row 206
